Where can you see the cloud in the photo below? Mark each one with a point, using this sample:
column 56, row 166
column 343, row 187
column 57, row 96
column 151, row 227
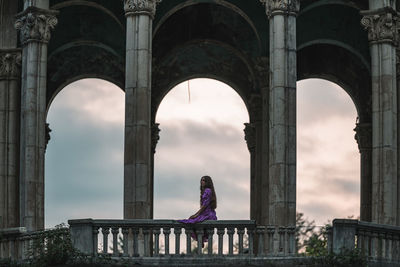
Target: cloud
column 84, row 159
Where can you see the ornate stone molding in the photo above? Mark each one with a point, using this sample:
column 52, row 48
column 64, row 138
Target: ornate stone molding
column 382, row 25
column 137, row 7
column 363, row 136
column 48, row 136
column 10, row 63
column 35, row 24
column 276, row 7
column 155, row 136
column 250, row 136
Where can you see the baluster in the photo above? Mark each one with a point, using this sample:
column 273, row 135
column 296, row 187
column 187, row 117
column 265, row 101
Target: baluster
column 230, row 233
column 115, row 232
column 360, row 239
column 367, row 243
column 220, row 233
column 240, row 232
column 292, row 240
column 135, row 234
column 396, row 247
column 105, row 232
column 381, row 245
column 177, row 232
column 374, row 245
column 389, row 246
column 281, row 232
column 260, row 230
column 146, row 235
column 166, row 232
column 270, row 233
column 251, row 240
column 188, row 233
column 210, row 233
column 200, row 234
column 156, row 232
column 125, row 236
column 95, row 240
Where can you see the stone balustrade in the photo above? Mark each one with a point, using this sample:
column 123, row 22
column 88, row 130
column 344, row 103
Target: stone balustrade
column 377, row 242
column 15, row 242
column 153, row 238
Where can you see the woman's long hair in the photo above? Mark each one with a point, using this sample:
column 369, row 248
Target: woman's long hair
column 209, row 184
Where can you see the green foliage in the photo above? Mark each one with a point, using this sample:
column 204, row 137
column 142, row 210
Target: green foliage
column 344, row 259
column 52, row 248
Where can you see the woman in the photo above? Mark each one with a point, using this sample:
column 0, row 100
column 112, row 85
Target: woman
column 208, row 203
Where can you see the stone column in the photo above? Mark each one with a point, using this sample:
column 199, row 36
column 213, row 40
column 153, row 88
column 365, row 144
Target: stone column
column 137, row 164
column 364, row 139
column 282, row 111
column 10, row 75
column 155, row 136
column 35, row 25
column 382, row 35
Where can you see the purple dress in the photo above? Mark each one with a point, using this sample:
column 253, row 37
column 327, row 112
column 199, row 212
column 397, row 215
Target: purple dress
column 208, row 213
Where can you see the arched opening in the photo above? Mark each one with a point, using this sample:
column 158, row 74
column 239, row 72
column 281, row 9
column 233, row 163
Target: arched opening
column 84, row 158
column 328, row 159
column 201, row 134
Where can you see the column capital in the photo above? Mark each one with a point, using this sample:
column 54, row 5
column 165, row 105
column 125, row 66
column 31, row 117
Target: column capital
column 250, row 135
column 382, row 25
column 279, row 7
column 35, row 24
column 363, row 136
column 10, row 63
column 137, row 7
column 155, row 136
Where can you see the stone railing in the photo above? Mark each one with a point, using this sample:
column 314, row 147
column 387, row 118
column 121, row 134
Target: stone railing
column 377, row 242
column 153, row 238
column 17, row 243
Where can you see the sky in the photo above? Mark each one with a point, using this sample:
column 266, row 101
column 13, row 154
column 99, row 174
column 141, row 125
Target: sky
column 201, row 135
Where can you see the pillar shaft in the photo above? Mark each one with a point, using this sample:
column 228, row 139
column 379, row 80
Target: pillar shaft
column 34, row 25
column 10, row 62
column 364, row 140
column 138, row 200
column 282, row 112
column 381, row 26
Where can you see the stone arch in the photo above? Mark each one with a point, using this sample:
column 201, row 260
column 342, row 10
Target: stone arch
column 338, row 65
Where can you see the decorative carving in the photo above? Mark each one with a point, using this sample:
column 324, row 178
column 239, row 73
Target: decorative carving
column 135, row 7
column 382, row 25
column 363, row 136
column 10, row 63
column 35, row 24
column 275, row 7
column 47, row 133
column 155, row 136
column 250, row 136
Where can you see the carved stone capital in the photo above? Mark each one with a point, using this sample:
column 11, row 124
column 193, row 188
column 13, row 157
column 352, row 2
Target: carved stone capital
column 363, row 136
column 382, row 25
column 10, row 63
column 35, row 24
column 250, row 136
column 155, row 136
column 47, row 133
column 137, row 7
column 276, row 7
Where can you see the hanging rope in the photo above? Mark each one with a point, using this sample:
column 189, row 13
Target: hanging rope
column 189, row 90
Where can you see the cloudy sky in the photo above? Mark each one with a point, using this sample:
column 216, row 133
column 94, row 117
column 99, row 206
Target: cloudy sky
column 84, row 158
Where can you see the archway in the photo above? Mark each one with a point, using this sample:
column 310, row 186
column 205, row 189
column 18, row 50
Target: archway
column 84, row 158
column 201, row 135
column 328, row 170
